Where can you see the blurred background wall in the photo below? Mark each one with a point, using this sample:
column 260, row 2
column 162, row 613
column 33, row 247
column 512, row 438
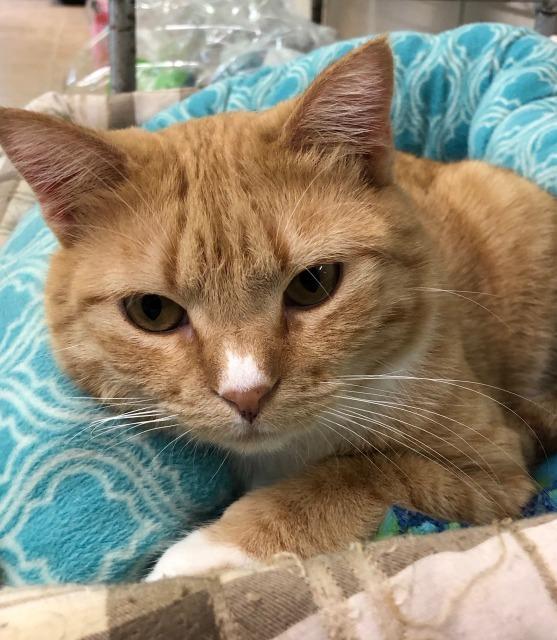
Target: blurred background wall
column 359, row 17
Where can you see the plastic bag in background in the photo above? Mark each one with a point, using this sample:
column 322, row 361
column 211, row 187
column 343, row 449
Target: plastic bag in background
column 195, row 42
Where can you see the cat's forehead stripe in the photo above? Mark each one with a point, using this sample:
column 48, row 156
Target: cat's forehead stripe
column 240, row 373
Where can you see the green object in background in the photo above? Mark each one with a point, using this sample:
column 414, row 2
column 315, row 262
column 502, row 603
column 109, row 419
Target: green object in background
column 150, row 78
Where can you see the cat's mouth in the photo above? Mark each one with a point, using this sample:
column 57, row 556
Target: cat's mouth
column 252, row 434
column 252, row 437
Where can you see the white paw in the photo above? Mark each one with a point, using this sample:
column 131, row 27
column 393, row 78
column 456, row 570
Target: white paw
column 195, row 555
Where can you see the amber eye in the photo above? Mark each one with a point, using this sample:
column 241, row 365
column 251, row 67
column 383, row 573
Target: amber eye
column 312, row 285
column 152, row 312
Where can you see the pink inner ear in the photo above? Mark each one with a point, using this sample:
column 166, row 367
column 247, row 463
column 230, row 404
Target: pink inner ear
column 59, row 178
column 63, row 163
column 57, row 209
column 349, row 103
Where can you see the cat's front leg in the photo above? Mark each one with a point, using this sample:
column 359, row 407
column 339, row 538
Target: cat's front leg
column 340, row 501
column 328, row 507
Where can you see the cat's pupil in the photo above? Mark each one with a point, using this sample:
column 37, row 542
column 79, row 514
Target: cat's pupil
column 151, row 306
column 310, row 279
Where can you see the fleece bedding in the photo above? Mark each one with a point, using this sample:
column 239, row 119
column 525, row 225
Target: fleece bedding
column 81, row 504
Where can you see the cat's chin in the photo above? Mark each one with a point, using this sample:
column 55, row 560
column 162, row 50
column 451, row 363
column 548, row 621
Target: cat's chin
column 256, row 441
column 262, row 444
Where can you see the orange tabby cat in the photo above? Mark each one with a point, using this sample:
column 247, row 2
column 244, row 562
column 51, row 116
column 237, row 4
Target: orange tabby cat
column 359, row 326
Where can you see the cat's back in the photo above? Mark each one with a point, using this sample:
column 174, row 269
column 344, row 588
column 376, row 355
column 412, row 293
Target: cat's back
column 475, row 192
column 497, row 237
column 473, row 209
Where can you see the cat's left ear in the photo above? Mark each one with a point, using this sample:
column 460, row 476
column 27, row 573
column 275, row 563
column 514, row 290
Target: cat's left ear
column 72, row 170
column 348, row 106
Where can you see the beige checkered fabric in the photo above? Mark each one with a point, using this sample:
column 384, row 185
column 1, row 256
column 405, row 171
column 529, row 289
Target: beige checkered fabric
column 482, row 583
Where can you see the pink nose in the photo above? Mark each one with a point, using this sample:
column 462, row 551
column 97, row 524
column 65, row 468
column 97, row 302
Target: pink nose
column 247, row 402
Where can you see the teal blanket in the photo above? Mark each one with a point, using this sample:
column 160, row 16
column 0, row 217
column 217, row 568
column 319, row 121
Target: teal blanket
column 83, row 503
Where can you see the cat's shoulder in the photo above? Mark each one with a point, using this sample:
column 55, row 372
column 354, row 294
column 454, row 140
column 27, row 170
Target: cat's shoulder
column 468, row 184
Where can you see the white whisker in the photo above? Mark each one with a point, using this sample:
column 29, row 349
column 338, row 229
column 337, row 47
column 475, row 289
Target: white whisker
column 451, row 465
column 456, row 384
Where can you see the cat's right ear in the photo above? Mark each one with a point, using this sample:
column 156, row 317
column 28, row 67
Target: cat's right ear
column 348, row 107
column 71, row 169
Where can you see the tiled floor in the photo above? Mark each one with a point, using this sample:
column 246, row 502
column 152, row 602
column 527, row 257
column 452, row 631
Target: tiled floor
column 38, row 41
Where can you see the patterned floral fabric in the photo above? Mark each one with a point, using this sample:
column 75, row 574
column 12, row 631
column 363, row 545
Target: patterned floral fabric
column 80, row 503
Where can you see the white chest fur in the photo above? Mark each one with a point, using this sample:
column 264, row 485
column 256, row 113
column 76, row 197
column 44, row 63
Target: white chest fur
column 263, row 469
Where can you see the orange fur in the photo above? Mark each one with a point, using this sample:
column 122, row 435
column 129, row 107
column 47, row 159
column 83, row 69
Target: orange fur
column 413, row 383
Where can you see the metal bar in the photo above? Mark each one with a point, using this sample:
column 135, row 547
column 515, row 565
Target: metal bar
column 317, row 11
column 546, row 17
column 122, row 45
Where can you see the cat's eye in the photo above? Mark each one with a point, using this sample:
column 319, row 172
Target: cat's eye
column 154, row 313
column 312, row 285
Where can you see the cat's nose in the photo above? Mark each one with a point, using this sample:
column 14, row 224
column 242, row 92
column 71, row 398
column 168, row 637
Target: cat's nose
column 247, row 401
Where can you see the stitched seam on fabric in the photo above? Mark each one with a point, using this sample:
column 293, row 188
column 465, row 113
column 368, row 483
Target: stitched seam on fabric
column 374, row 580
column 435, row 626
column 538, row 561
column 332, row 606
column 227, row 625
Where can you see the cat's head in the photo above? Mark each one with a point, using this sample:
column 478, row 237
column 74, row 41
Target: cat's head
column 233, row 269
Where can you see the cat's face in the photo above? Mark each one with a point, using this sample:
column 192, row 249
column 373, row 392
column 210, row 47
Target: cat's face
column 229, row 270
